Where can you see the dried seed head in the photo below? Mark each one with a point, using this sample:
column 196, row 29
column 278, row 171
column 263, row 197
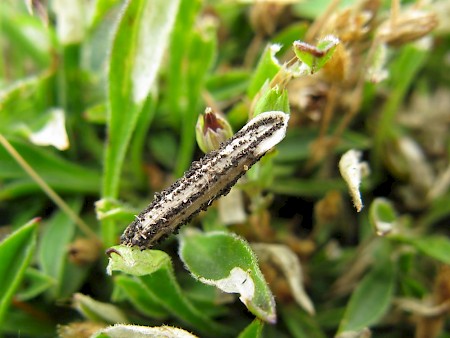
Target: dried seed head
column 264, row 16
column 84, row 251
column 410, row 25
column 328, row 209
column 350, row 25
column 309, row 97
column 442, row 285
column 336, row 69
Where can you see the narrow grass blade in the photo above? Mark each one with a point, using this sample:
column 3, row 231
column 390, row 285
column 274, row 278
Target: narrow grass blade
column 137, row 49
column 16, row 252
column 58, row 232
column 371, row 298
column 254, row 330
column 138, row 45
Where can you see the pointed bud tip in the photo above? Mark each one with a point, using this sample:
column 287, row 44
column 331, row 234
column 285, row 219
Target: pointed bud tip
column 212, row 129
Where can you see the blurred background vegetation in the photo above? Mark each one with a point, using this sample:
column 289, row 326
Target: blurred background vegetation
column 98, row 106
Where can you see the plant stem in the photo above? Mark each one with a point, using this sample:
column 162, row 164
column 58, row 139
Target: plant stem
column 47, row 189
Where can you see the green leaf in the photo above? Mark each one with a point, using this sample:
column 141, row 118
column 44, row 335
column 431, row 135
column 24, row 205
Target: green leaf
column 315, row 57
column 268, row 66
column 180, row 43
column 102, row 9
column 437, row 247
column 136, row 262
column 403, row 70
column 201, row 54
column 261, row 175
column 154, row 270
column 288, row 35
column 227, row 262
column 59, row 173
column 57, row 233
column 36, row 283
column 300, row 323
column 297, row 144
column 72, row 279
column 28, row 35
column 140, row 137
column 111, row 209
column 136, row 54
column 228, row 85
column 96, row 114
column 313, row 9
column 206, row 297
column 438, row 210
column 306, row 187
column 382, row 216
column 330, row 318
column 98, row 311
column 135, row 292
column 22, row 102
column 16, row 252
column 137, row 49
column 273, row 99
column 163, row 146
column 254, row 330
column 20, row 323
column 371, row 298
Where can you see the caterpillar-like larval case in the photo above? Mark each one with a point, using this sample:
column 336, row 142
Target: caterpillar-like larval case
column 207, row 179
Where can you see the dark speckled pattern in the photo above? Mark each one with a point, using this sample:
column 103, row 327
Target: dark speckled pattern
column 206, row 180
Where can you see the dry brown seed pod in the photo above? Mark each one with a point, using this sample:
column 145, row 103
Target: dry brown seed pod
column 84, row 251
column 410, row 25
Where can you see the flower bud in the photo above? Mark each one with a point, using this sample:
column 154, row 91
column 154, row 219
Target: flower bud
column 211, row 130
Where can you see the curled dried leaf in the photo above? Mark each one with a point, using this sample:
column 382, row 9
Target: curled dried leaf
column 353, row 170
column 79, row 329
column 289, row 264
